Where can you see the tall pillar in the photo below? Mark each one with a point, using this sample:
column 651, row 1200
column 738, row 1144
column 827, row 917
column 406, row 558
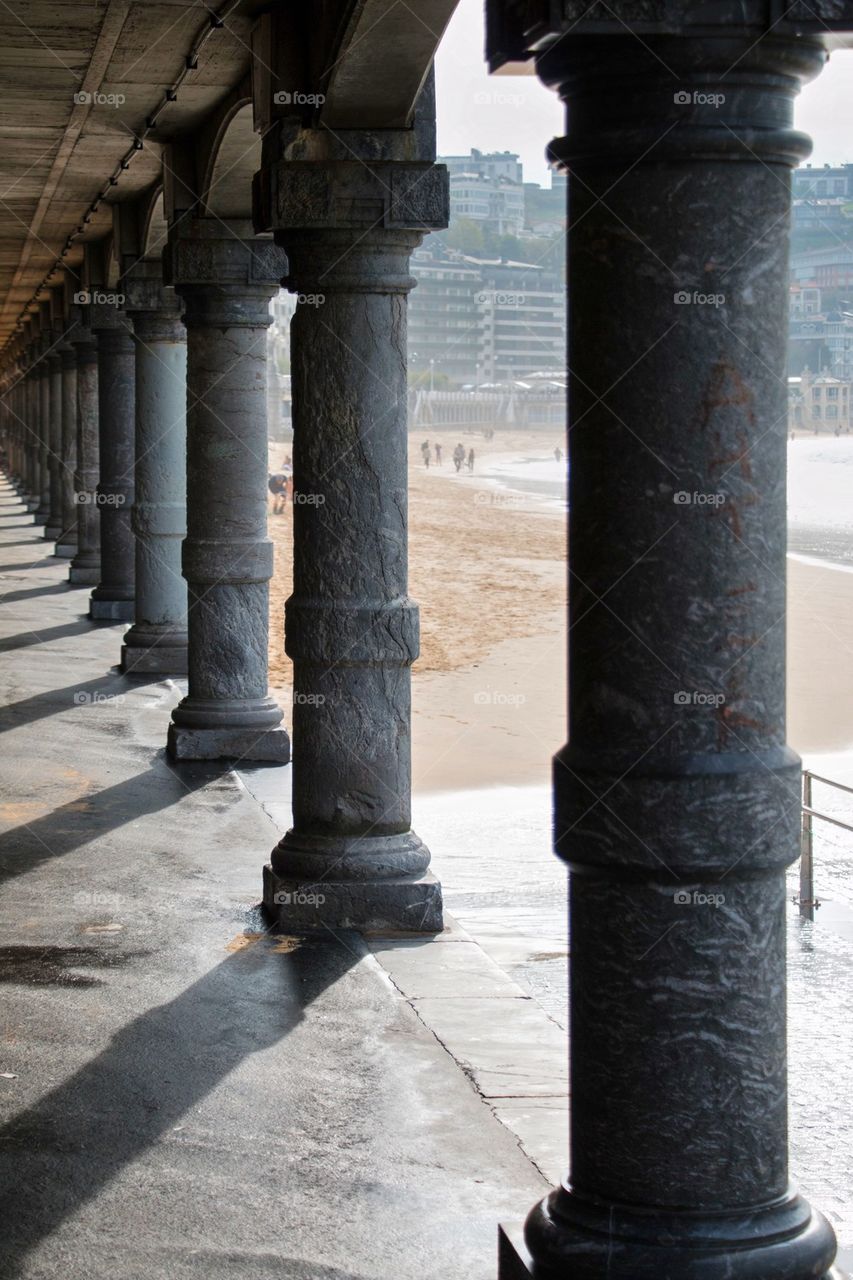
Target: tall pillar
column 677, row 804
column 113, row 597
column 32, row 406
column 43, row 510
column 157, row 641
column 351, row 628
column 86, row 565
column 66, row 544
column 227, row 283
column 53, row 528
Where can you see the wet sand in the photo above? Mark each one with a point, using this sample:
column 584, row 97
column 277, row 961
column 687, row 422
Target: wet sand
column 488, row 570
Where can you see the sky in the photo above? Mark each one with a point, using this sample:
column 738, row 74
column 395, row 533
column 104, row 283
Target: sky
column 517, row 113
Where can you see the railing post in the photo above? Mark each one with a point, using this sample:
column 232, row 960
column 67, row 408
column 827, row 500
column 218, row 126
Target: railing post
column 806, row 852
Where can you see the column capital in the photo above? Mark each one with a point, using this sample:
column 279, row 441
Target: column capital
column 224, row 278
column 201, row 252
column 85, row 343
column 351, row 195
column 520, row 29
column 106, row 316
column 153, row 306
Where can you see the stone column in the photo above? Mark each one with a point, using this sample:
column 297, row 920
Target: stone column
column 43, row 512
column 32, row 406
column 351, row 628
column 66, row 544
column 227, row 284
column 53, row 528
column 42, row 393
column 677, row 802
column 157, row 641
column 113, row 598
column 86, row 565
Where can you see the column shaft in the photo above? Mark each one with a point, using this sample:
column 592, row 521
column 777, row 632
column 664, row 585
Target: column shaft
column 43, row 512
column 227, row 557
column 677, row 802
column 86, row 564
column 32, row 406
column 53, row 527
column 66, row 544
column 158, row 638
column 113, row 598
column 351, row 628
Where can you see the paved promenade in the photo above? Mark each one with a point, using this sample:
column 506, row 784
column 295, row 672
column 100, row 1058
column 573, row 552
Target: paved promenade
column 183, row 1092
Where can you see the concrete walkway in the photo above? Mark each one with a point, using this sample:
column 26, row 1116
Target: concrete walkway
column 183, row 1093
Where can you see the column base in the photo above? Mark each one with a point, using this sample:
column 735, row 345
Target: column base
column 52, row 532
column 111, row 610
column 32, row 504
column 65, row 550
column 40, row 517
column 84, row 575
column 159, row 659
column 371, row 906
column 266, row 746
column 567, row 1235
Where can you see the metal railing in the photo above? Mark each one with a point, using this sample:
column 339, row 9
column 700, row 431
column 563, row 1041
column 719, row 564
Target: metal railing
column 806, row 899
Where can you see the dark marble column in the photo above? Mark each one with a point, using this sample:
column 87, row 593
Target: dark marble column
column 66, row 543
column 85, row 567
column 42, row 373
column 677, row 803
column 227, row 283
column 53, row 528
column 157, row 641
column 351, row 857
column 32, row 406
column 113, row 597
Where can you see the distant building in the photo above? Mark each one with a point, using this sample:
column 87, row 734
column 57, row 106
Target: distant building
column 545, row 208
column 819, row 404
column 807, row 347
column 523, row 309
column 812, row 182
column 496, row 204
column 487, row 188
column 820, row 215
column 444, row 317
column 828, row 268
column 494, row 165
column 484, row 320
column 804, row 299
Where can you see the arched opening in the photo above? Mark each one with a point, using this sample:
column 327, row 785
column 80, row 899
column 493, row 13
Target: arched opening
column 156, row 229
column 236, row 157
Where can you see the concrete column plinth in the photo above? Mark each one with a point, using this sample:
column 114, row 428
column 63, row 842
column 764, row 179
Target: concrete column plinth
column 85, row 568
column 351, row 858
column 113, row 599
column 226, row 284
column 157, row 641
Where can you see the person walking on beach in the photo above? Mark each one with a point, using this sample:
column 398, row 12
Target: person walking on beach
column 459, row 456
column 425, row 453
column 277, row 485
column 437, row 447
column 470, row 459
column 558, row 454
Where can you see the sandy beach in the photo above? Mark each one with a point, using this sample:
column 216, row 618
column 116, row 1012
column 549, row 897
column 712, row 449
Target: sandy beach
column 487, row 567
